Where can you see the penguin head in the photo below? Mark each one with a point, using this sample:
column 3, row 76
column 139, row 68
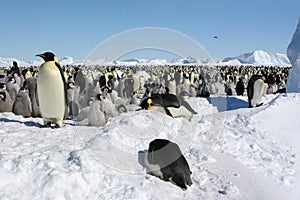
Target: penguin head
column 121, row 109
column 149, row 104
column 47, row 56
column 2, row 96
column 146, row 103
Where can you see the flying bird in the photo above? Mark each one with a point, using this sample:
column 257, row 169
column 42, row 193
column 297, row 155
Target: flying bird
column 215, row 37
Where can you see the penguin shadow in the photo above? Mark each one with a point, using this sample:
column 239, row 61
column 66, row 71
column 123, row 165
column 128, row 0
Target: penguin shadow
column 141, row 158
column 28, row 123
column 227, row 103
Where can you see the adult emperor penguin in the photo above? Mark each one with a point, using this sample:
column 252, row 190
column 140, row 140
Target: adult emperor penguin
column 165, row 160
column 52, row 91
column 168, row 103
column 256, row 88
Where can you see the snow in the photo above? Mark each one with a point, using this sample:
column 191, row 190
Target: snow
column 233, row 151
column 293, row 52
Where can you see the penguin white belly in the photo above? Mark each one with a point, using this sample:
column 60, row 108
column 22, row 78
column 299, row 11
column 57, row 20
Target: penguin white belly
column 172, row 87
column 180, row 112
column 51, row 92
column 154, row 169
column 157, row 109
column 95, row 116
column 259, row 89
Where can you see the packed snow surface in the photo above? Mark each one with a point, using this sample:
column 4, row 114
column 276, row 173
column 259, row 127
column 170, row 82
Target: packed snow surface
column 234, row 152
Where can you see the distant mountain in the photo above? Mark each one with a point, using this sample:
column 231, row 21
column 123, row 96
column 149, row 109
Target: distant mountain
column 66, row 61
column 188, row 60
column 258, row 57
column 141, row 61
column 7, row 62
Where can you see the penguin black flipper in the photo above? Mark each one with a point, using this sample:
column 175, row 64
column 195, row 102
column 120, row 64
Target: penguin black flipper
column 170, row 100
column 186, row 105
column 64, row 80
column 167, row 110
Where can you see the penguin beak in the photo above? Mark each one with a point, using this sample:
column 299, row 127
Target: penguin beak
column 41, row 55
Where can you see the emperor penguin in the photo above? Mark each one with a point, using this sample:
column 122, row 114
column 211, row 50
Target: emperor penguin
column 22, row 104
column 169, row 104
column 240, row 87
column 52, row 91
column 172, row 86
column 31, row 85
column 256, row 88
column 96, row 115
column 165, row 160
column 5, row 101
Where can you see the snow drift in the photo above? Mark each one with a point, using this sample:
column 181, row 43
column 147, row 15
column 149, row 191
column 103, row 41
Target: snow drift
column 293, row 52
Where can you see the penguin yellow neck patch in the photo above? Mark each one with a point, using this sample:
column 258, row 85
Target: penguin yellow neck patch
column 149, row 102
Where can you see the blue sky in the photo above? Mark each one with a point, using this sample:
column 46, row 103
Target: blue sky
column 74, row 28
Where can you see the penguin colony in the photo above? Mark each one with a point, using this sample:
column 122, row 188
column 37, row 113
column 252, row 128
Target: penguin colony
column 92, row 95
column 119, row 89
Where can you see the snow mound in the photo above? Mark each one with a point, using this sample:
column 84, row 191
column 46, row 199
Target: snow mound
column 258, row 57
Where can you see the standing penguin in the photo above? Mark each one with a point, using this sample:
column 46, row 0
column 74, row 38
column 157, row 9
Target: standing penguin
column 31, row 85
column 52, row 91
column 240, row 87
column 256, row 88
column 22, row 104
column 165, row 160
column 5, row 101
column 96, row 116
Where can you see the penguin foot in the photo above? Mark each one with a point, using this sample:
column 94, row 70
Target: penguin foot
column 55, row 126
column 259, row 104
column 50, row 125
column 47, row 125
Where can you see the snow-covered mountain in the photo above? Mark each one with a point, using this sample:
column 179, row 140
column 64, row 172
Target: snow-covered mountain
column 188, row 60
column 7, row 62
column 258, row 57
column 141, row 61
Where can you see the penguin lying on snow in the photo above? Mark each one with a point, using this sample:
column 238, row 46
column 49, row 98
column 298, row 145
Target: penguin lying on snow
column 168, row 103
column 165, row 160
column 256, row 88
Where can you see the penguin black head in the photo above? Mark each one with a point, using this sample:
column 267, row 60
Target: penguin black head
column 121, row 109
column 47, row 56
column 2, row 86
column 2, row 96
column 146, row 103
